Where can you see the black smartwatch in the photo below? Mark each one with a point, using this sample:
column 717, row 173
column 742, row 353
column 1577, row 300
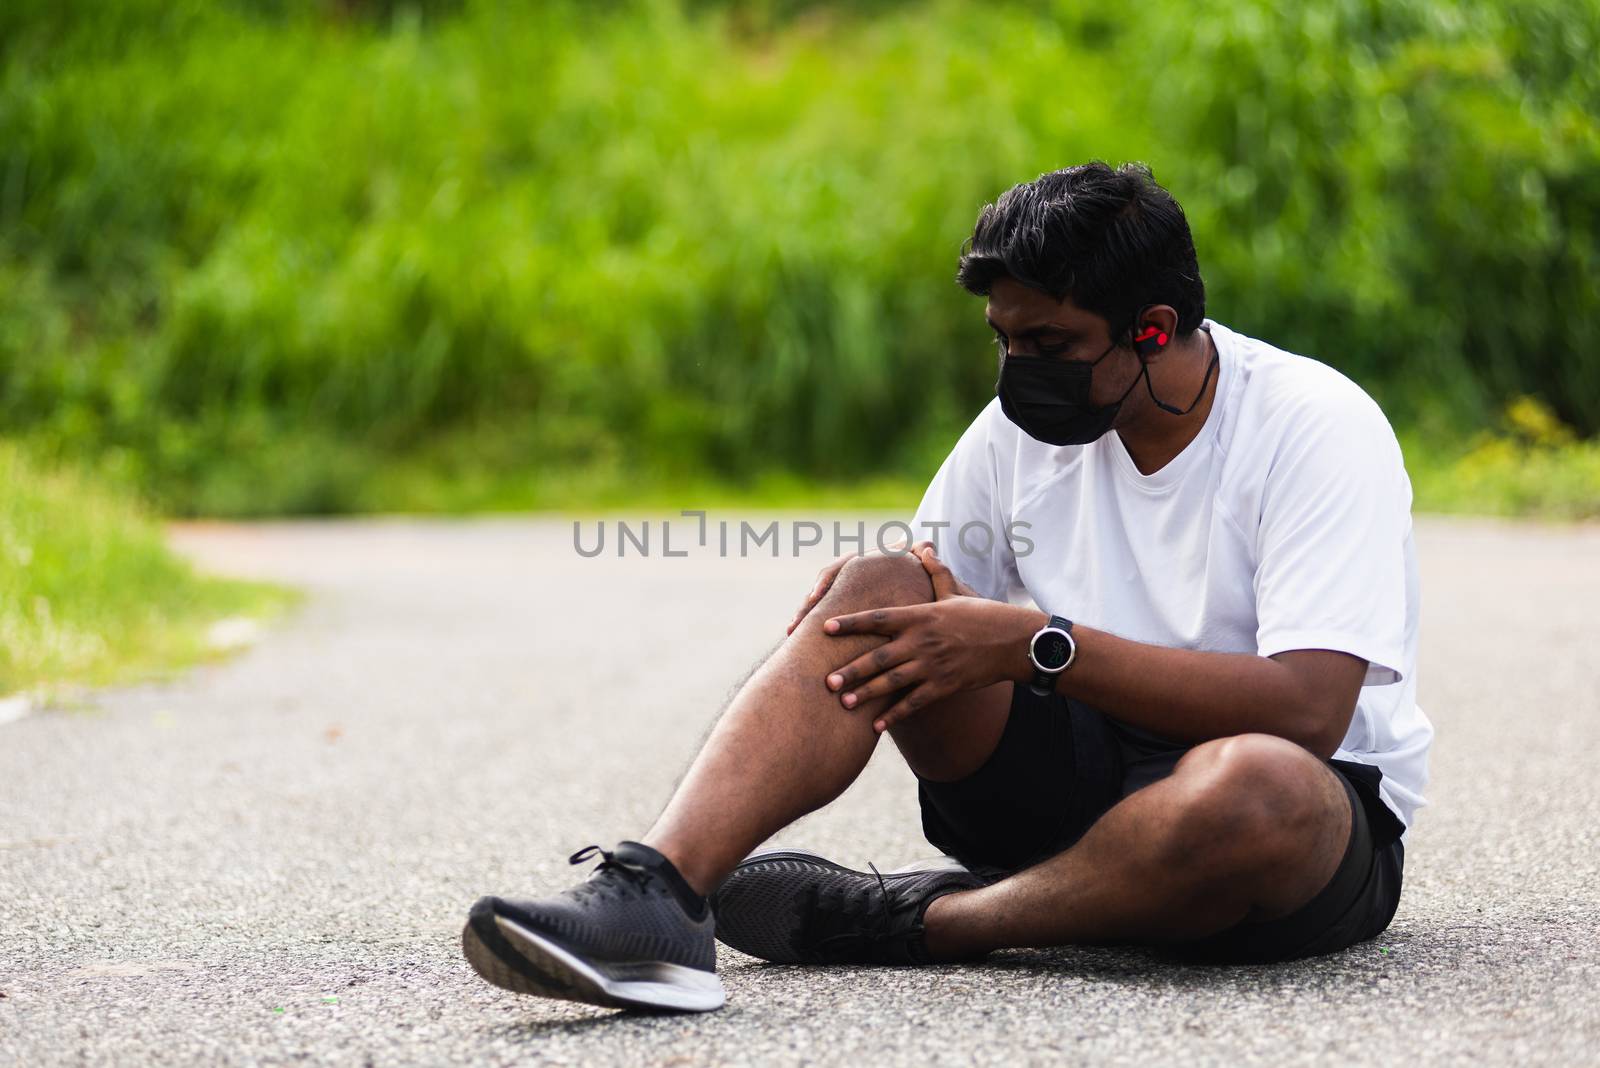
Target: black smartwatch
column 1051, row 652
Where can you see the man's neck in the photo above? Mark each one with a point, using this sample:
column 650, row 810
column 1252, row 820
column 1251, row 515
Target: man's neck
column 1157, row 437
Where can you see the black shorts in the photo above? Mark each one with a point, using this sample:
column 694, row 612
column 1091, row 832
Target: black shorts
column 1060, row 764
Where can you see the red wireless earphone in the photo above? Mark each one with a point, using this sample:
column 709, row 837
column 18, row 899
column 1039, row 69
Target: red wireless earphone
column 1151, row 340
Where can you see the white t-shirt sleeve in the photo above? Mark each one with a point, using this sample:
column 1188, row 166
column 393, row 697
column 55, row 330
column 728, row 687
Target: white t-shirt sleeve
column 1331, row 544
column 962, row 514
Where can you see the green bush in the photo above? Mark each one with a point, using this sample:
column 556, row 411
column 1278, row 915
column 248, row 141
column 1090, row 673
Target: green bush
column 1531, row 465
column 261, row 257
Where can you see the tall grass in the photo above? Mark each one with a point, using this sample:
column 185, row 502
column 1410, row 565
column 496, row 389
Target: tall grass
column 272, row 257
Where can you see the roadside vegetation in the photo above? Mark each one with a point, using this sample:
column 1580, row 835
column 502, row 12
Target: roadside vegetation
column 312, row 257
column 1532, row 466
column 89, row 592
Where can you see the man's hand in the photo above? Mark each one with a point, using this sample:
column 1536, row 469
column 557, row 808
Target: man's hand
column 826, row 576
column 825, row 579
column 959, row 642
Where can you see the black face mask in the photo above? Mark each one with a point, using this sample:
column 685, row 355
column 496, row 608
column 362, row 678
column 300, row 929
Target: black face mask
column 1049, row 398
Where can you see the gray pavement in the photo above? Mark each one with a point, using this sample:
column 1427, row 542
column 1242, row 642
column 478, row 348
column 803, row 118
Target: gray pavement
column 268, row 860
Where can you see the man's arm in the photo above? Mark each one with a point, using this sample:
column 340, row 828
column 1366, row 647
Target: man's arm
column 1305, row 695
column 962, row 642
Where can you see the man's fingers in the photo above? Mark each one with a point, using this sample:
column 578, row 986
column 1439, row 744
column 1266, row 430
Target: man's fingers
column 887, row 621
column 907, row 706
column 868, row 665
column 889, row 682
column 805, row 607
column 944, row 580
column 824, row 582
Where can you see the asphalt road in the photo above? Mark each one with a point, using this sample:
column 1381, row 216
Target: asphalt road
column 268, row 860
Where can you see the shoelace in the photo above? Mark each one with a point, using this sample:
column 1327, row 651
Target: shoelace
column 609, row 866
column 876, row 938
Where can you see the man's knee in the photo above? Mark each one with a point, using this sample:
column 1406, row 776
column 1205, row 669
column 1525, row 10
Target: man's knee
column 878, row 582
column 1252, row 795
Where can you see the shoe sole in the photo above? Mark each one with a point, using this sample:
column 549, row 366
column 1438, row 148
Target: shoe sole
column 514, row 958
column 752, row 931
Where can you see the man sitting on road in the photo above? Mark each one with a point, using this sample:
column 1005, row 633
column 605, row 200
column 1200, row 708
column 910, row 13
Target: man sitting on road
column 1205, row 735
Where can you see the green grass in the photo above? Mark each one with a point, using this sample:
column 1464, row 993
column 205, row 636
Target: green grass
column 90, row 593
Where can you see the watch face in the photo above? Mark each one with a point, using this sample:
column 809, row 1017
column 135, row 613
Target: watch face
column 1051, row 650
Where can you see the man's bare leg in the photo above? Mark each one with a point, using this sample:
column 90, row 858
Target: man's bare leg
column 786, row 746
column 1250, row 827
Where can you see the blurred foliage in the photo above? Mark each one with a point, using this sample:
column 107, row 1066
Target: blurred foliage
column 89, row 592
column 1506, row 477
column 318, row 255
column 1531, row 465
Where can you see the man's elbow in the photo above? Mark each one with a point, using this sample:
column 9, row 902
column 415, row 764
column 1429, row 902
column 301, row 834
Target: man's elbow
column 1323, row 725
column 1320, row 688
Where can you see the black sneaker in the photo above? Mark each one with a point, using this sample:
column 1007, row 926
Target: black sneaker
column 633, row 936
column 793, row 907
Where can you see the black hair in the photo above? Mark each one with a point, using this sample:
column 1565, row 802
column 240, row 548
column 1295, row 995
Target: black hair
column 1111, row 239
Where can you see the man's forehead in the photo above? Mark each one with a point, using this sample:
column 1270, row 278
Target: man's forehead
column 1021, row 309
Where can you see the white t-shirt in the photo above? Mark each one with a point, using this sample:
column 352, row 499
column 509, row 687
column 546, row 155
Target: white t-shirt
column 1285, row 524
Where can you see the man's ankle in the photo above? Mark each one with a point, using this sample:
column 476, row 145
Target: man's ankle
column 947, row 932
column 693, row 902
column 698, row 881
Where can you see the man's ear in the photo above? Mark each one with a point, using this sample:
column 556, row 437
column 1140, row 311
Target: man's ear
column 1156, row 327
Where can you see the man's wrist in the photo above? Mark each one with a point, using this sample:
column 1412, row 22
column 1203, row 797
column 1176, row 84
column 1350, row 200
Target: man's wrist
column 1030, row 622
